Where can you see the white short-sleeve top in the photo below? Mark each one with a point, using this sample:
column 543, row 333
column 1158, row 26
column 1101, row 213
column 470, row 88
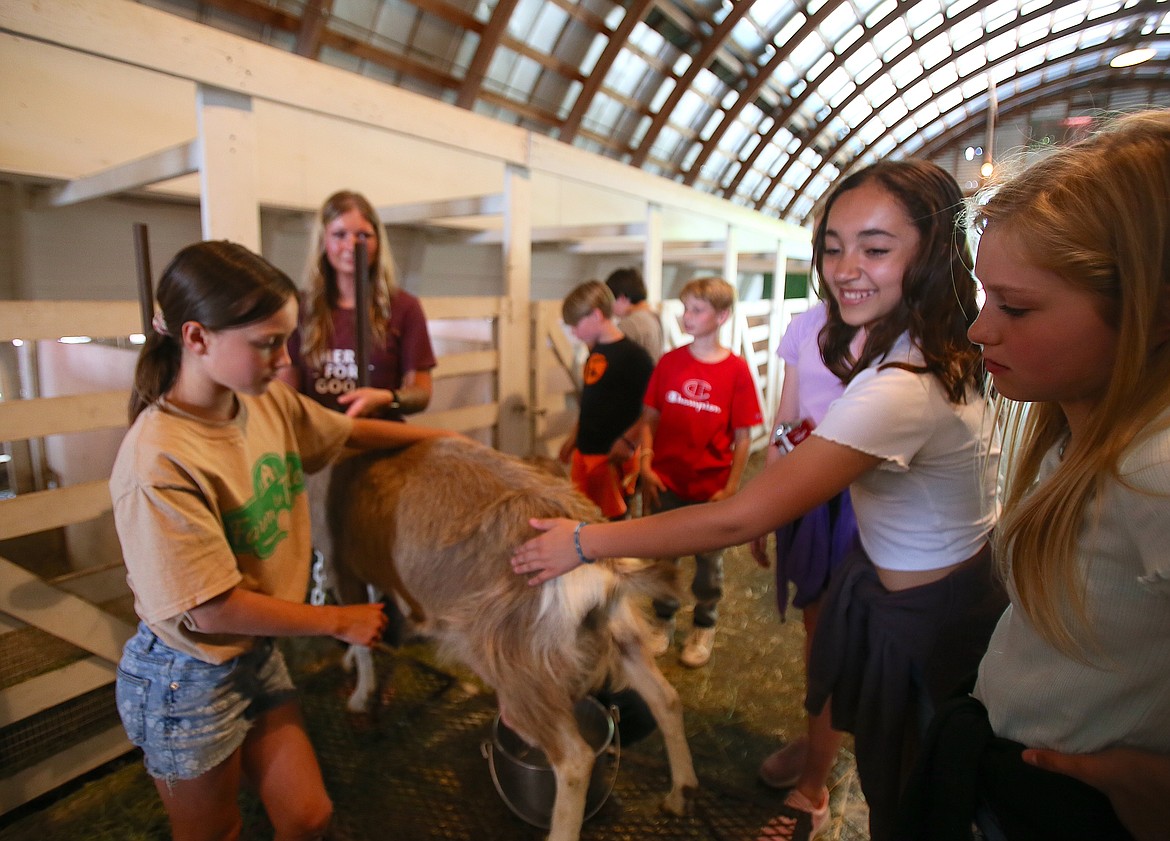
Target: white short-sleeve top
column 1119, row 695
column 931, row 501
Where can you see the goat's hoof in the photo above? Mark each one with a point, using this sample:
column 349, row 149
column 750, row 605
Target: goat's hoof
column 358, row 706
column 680, row 801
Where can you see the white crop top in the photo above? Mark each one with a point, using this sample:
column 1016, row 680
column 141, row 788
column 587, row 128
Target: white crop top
column 931, row 502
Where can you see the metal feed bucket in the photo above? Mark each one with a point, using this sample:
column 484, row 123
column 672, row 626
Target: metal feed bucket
column 524, row 778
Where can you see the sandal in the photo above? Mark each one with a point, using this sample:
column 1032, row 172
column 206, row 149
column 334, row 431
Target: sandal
column 782, row 768
column 799, row 819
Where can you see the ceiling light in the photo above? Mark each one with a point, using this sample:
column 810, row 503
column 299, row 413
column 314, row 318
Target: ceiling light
column 1129, row 59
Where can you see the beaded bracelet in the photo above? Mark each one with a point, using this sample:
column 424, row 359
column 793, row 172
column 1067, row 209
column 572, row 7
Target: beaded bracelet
column 577, row 543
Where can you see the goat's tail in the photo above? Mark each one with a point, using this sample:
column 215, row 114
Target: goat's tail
column 657, row 579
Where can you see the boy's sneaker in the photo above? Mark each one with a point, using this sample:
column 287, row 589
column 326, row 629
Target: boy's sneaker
column 697, row 650
column 661, row 636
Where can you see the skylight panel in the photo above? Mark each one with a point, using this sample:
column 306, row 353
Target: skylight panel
column 747, row 36
column 906, row 71
column 822, row 64
column 955, row 9
column 928, row 27
column 1031, row 31
column 880, row 12
column 904, row 130
column 935, row 51
column 1095, row 11
column 966, row 32
column 927, row 114
column 523, row 18
column 839, row 21
column 969, row 62
column 948, row 99
column 688, row 109
column 751, row 182
column 709, row 127
column 1030, row 59
column 844, row 93
column 807, row 51
column 862, row 60
column 626, row 73
column 646, row 39
column 848, row 39
column 708, row 84
column 1000, row 45
column 999, row 13
column 974, row 87
column 856, row 111
column 660, row 97
column 789, row 30
column 549, row 25
column 880, row 89
column 883, row 147
column 917, row 14
column 893, row 112
column 889, row 36
column 917, row 94
column 1064, row 17
column 604, row 113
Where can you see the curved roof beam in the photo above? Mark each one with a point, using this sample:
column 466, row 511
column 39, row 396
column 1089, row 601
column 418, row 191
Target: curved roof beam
column 910, row 50
column 1061, row 61
column 489, row 40
column 781, row 120
column 1095, row 79
column 827, row 157
column 753, row 84
column 635, row 13
column 684, row 82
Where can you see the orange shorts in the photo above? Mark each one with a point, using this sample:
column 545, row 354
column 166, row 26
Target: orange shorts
column 605, row 483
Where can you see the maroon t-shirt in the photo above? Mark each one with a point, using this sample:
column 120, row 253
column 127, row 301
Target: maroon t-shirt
column 407, row 348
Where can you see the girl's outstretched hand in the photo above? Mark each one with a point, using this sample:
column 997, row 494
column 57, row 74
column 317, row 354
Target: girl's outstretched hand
column 547, row 555
column 360, row 624
column 1136, row 782
column 365, row 402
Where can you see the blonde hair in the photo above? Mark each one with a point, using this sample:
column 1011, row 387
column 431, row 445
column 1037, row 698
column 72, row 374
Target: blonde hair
column 714, row 290
column 584, row 299
column 1096, row 213
column 321, row 294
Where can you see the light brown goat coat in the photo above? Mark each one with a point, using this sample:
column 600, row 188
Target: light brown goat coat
column 435, row 524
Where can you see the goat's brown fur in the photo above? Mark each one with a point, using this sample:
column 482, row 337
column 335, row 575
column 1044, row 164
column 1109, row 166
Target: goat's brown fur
column 435, row 524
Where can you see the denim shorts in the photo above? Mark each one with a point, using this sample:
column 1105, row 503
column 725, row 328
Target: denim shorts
column 188, row 716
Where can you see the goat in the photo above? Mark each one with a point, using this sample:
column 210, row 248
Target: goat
column 435, row 525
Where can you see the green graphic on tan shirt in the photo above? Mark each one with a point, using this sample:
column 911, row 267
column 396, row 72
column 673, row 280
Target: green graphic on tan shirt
column 254, row 528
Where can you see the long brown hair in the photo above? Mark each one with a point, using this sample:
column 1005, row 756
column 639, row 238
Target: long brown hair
column 938, row 290
column 1097, row 214
column 218, row 284
column 321, row 281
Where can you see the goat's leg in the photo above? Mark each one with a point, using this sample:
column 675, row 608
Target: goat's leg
column 349, row 589
column 644, row 677
column 554, row 731
column 573, row 771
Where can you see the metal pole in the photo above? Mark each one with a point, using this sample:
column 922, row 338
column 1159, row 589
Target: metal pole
column 145, row 287
column 361, row 289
